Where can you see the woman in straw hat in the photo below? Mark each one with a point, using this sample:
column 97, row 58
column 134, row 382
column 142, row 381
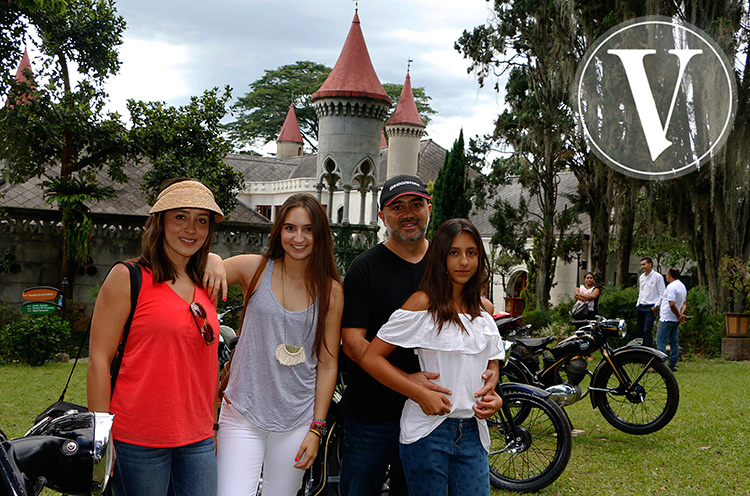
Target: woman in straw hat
column 284, row 369
column 163, row 399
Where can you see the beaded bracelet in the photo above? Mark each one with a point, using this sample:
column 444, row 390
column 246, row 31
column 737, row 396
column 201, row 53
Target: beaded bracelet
column 319, row 421
column 318, row 428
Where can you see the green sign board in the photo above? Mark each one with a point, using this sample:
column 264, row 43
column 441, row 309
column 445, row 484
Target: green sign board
column 38, row 307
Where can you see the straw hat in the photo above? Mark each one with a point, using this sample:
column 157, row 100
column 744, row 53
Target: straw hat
column 187, row 194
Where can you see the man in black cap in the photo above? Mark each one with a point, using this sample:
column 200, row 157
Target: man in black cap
column 378, row 282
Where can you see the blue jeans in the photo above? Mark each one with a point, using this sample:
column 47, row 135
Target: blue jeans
column 668, row 332
column 181, row 471
column 451, row 457
column 369, row 448
column 645, row 318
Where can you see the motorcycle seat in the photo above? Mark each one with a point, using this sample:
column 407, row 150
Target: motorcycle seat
column 502, row 321
column 535, row 344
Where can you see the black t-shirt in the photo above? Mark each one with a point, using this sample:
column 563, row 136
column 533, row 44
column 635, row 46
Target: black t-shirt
column 376, row 285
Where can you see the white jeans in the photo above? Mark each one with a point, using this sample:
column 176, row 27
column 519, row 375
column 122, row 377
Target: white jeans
column 244, row 449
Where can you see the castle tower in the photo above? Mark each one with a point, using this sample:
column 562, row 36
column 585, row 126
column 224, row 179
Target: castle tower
column 289, row 143
column 21, row 76
column 351, row 106
column 22, row 66
column 405, row 128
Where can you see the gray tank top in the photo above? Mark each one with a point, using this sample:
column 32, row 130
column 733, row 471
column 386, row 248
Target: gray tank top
column 270, row 395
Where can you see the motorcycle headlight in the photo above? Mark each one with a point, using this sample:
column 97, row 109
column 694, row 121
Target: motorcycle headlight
column 71, row 454
column 613, row 328
column 102, row 452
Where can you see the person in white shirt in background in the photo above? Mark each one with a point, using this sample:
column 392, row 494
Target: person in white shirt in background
column 650, row 289
column 671, row 313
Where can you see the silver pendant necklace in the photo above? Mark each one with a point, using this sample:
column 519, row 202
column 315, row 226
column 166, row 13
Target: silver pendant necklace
column 288, row 354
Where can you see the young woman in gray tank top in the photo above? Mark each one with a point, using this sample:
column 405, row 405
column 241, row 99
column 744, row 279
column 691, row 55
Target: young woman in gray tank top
column 284, row 369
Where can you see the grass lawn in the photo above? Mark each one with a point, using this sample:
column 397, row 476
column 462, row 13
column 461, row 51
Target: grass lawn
column 705, row 450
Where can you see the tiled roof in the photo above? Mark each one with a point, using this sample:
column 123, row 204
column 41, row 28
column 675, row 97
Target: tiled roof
column 406, row 109
column 353, row 75
column 129, row 199
column 512, row 194
column 431, row 159
column 22, row 66
column 290, row 130
column 255, row 168
column 304, row 166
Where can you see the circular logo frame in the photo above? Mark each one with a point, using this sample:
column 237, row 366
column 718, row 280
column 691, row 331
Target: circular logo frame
column 655, row 98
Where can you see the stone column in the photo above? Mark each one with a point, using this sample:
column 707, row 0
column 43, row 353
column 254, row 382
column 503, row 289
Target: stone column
column 347, row 192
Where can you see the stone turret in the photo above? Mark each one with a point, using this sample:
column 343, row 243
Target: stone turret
column 289, row 143
column 405, row 129
column 351, row 106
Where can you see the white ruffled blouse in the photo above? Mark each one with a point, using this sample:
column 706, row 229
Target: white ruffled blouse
column 458, row 356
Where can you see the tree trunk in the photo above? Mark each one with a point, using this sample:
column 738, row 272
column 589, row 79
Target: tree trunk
column 625, row 224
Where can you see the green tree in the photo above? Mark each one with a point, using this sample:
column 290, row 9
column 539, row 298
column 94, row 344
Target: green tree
column 450, row 197
column 262, row 110
column 523, row 41
column 57, row 129
column 187, row 142
column 710, row 208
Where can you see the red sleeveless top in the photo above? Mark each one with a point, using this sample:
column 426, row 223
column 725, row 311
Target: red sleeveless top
column 165, row 391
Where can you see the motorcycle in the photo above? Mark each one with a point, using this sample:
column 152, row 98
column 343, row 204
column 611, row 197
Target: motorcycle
column 530, row 439
column 70, row 454
column 632, row 387
column 510, row 327
column 227, row 337
column 530, row 442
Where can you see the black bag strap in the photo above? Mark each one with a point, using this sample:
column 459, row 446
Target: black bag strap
column 135, row 283
column 136, row 278
column 78, row 357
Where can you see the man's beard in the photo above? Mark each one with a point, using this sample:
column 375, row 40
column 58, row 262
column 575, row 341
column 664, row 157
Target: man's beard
column 415, row 236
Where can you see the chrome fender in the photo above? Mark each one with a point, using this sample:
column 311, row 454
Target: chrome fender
column 508, row 387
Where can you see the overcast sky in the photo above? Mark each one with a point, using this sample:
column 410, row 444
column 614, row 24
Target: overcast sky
column 174, row 49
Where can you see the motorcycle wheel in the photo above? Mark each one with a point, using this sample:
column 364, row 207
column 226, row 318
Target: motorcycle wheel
column 649, row 405
column 534, row 454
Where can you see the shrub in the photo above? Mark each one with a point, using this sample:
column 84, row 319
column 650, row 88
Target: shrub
column 556, row 329
column 35, row 340
column 8, row 315
column 234, row 298
column 76, row 314
column 537, row 318
column 616, row 302
column 702, row 334
column 561, row 313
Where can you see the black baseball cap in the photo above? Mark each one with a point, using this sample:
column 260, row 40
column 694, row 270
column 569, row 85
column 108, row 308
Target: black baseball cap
column 398, row 186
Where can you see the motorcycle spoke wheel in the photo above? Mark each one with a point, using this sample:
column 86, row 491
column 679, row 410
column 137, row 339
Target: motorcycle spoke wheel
column 642, row 408
column 533, row 455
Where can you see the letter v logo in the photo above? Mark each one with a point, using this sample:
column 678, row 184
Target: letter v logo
column 655, row 98
column 654, row 131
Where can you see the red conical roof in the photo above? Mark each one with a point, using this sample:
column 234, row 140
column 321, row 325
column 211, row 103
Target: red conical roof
column 353, row 74
column 406, row 109
column 21, row 76
column 383, row 142
column 290, row 130
column 22, row 66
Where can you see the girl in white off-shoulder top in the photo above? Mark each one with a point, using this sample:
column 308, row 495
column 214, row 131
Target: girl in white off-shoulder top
column 444, row 438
